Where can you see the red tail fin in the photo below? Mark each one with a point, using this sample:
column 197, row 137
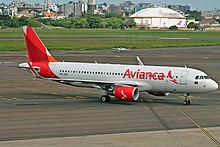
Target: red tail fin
column 37, row 52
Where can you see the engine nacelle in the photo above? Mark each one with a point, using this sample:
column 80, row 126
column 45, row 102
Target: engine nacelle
column 127, row 93
column 159, row 93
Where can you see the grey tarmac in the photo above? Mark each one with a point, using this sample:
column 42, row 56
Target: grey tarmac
column 40, row 112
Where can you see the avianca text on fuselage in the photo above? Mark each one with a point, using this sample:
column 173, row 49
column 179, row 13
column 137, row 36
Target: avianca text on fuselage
column 143, row 75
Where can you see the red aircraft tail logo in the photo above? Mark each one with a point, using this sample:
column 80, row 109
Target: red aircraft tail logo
column 37, row 52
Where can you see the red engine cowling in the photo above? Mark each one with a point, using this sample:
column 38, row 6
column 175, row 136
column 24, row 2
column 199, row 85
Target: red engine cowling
column 127, row 93
column 159, row 93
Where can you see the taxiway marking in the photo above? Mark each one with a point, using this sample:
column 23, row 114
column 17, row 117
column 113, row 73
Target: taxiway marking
column 74, row 97
column 28, row 89
column 206, row 58
column 10, row 98
column 200, row 127
column 190, row 97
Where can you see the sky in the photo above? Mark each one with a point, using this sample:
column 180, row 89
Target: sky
column 195, row 4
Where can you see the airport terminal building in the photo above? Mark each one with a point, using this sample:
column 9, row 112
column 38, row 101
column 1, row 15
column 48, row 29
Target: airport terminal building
column 159, row 18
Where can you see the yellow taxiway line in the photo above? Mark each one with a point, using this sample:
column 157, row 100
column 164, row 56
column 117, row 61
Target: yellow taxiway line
column 200, row 127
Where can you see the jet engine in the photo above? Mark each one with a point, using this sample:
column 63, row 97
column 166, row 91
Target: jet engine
column 127, row 93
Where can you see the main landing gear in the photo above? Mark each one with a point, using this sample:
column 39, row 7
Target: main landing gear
column 187, row 100
column 105, row 98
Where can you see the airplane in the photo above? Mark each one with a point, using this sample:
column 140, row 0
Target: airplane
column 122, row 49
column 124, row 82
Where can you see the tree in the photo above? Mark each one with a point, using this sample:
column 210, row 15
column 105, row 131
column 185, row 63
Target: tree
column 193, row 25
column 14, row 23
column 110, row 15
column 195, row 14
column 114, row 23
column 130, row 23
column 173, row 28
column 23, row 21
column 66, row 23
column 89, row 14
column 80, row 23
column 190, row 25
column 32, row 22
column 46, row 21
column 94, row 22
column 5, row 17
column 197, row 26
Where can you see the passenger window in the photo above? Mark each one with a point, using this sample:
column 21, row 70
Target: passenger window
column 206, row 77
column 197, row 77
column 196, row 82
column 201, row 77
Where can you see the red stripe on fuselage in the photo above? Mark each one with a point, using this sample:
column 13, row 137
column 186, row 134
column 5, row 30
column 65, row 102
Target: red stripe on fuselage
column 45, row 70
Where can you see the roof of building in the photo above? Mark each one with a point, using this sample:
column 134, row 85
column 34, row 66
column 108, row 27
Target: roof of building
column 207, row 20
column 157, row 13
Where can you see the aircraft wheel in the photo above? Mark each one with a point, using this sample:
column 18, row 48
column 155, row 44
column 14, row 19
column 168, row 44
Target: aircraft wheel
column 105, row 98
column 187, row 102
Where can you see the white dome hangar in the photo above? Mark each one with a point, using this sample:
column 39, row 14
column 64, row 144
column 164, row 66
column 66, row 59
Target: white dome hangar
column 159, row 17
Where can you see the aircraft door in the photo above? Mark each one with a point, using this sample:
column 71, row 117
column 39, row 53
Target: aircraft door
column 183, row 78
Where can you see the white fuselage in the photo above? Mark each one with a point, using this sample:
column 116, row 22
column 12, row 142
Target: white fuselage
column 147, row 78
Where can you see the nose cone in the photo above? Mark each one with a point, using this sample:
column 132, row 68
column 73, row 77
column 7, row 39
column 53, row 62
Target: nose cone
column 213, row 86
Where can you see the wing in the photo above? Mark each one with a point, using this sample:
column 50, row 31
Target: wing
column 141, row 85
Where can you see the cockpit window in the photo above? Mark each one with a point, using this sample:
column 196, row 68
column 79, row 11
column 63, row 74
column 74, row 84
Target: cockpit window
column 197, row 77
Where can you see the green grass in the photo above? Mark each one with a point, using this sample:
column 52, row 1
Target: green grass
column 105, row 33
column 19, row 45
column 12, row 45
